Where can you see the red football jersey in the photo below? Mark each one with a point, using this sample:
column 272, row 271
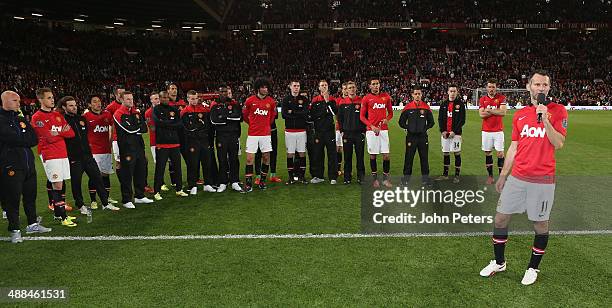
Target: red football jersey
column 259, row 114
column 49, row 146
column 534, row 160
column 376, row 108
column 149, row 119
column 449, row 117
column 112, row 108
column 493, row 123
column 98, row 126
column 180, row 104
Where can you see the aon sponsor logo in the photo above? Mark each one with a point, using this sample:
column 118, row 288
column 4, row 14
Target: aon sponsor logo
column 537, row 132
column 101, row 129
column 56, row 128
column 261, row 112
column 379, row 106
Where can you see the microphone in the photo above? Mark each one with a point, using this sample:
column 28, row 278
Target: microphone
column 541, row 101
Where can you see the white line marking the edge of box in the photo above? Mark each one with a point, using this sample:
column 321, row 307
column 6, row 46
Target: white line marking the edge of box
column 285, row 236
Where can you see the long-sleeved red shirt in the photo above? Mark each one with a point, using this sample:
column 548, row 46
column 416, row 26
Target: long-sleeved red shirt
column 112, row 108
column 259, row 114
column 149, row 119
column 49, row 146
column 97, row 131
column 376, row 108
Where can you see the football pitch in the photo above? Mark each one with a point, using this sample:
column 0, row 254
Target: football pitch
column 272, row 270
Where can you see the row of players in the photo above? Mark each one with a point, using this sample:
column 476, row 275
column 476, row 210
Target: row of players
column 526, row 182
column 71, row 144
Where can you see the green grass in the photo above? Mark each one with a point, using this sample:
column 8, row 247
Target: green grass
column 323, row 272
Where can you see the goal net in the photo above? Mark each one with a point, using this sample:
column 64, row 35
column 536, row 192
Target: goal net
column 514, row 97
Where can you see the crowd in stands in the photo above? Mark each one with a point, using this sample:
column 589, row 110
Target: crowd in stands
column 474, row 11
column 84, row 63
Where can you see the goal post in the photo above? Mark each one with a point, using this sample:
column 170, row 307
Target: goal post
column 514, row 97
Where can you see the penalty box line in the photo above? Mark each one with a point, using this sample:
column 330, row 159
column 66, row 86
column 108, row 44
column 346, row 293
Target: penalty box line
column 286, row 236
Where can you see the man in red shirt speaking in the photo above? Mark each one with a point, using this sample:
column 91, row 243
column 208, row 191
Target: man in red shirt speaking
column 527, row 180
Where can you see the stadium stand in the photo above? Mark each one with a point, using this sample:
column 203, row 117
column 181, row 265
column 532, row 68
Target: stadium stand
column 79, row 63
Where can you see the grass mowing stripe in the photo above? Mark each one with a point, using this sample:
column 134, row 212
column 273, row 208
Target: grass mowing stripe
column 366, row 272
column 315, row 269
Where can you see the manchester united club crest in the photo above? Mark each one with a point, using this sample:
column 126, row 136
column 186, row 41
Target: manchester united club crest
column 218, row 145
column 58, row 119
column 22, row 125
column 344, row 141
column 229, row 107
column 316, row 140
column 191, row 150
column 81, row 123
column 456, row 107
column 171, row 113
column 300, row 101
column 267, row 105
column 128, row 158
column 55, row 176
column 409, row 143
column 11, row 173
column 422, row 111
column 357, row 107
column 200, row 115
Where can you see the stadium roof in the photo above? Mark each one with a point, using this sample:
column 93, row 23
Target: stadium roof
column 139, row 13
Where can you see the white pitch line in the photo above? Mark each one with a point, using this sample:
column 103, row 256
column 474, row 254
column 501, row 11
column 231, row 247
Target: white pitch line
column 285, row 236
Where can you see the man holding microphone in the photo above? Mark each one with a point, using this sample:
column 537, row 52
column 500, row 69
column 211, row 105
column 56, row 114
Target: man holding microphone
column 527, row 180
